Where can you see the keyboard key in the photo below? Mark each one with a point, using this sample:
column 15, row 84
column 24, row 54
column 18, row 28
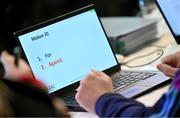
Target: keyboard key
column 125, row 78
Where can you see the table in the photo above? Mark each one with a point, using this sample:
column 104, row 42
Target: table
column 166, row 40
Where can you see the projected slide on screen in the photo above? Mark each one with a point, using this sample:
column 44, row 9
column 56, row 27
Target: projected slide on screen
column 64, row 52
column 171, row 9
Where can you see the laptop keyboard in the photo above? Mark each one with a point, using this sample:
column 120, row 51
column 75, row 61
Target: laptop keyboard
column 120, row 80
column 126, row 78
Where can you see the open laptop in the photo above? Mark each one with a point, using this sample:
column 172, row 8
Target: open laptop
column 63, row 50
column 170, row 10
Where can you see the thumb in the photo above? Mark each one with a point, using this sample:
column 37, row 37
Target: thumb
column 167, row 69
column 100, row 73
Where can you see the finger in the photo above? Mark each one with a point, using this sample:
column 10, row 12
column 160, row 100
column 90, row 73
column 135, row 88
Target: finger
column 88, row 79
column 78, row 88
column 100, row 73
column 78, row 97
column 4, row 52
column 172, row 59
column 80, row 93
column 95, row 72
column 5, row 56
column 168, row 58
column 166, row 69
column 169, row 76
column 91, row 75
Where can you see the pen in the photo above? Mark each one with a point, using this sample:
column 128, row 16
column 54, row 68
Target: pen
column 17, row 54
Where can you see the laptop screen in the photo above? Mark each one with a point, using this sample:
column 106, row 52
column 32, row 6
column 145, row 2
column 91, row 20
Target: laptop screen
column 171, row 9
column 62, row 53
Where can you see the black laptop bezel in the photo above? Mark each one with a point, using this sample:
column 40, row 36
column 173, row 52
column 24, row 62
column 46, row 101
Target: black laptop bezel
column 176, row 37
column 62, row 92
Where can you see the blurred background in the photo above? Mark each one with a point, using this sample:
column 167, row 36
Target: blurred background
column 19, row 14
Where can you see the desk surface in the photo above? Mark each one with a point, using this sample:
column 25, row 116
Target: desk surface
column 166, row 40
column 150, row 98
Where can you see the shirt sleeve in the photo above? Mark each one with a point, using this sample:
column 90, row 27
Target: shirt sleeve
column 171, row 105
column 115, row 105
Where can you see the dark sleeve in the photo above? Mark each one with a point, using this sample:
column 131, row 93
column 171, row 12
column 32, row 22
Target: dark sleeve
column 115, row 105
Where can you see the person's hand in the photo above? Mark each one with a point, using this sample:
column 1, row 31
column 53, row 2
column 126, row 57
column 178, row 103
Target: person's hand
column 170, row 64
column 11, row 70
column 91, row 88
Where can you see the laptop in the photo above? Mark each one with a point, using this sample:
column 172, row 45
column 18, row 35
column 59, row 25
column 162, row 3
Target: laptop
column 63, row 50
column 170, row 11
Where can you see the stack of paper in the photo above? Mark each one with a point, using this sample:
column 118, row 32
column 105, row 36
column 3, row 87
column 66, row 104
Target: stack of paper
column 127, row 34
